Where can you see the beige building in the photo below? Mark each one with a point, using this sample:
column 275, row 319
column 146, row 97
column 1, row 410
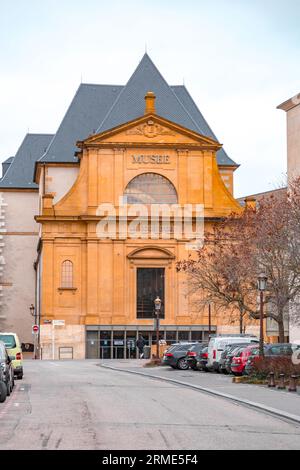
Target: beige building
column 292, row 109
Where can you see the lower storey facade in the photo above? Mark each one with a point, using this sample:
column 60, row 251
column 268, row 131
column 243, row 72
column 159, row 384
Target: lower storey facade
column 111, row 341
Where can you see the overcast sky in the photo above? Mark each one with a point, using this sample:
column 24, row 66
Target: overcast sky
column 239, row 59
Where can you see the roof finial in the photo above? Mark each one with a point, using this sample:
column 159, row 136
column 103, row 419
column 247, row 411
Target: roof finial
column 150, row 102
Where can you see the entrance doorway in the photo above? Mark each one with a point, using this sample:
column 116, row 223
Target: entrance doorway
column 150, row 284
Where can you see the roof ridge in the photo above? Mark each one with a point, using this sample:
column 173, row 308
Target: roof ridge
column 77, row 91
column 183, row 86
column 101, row 84
column 196, row 124
column 122, row 91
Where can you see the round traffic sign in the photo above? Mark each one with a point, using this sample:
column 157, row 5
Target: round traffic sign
column 35, row 328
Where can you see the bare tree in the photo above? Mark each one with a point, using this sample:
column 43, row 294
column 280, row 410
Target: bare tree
column 236, row 251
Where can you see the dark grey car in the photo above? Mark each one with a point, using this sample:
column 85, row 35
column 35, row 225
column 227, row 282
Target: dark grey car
column 6, row 373
column 175, row 356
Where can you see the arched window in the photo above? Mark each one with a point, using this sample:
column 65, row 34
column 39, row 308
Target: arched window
column 67, row 274
column 150, row 188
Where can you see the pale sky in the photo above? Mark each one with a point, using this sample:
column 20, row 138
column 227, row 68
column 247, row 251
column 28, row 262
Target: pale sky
column 239, row 59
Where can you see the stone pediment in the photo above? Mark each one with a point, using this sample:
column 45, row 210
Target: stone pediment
column 149, row 130
column 151, row 252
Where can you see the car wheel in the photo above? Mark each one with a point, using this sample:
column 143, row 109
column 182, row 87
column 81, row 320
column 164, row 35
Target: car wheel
column 20, row 377
column 182, row 364
column 3, row 392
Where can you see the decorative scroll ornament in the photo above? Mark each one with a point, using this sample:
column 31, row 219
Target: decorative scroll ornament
column 150, row 129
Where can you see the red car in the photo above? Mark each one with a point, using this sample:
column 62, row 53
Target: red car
column 239, row 361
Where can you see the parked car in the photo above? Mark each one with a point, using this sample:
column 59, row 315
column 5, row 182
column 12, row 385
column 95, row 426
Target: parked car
column 270, row 350
column 240, row 359
column 231, row 354
column 228, row 349
column 217, row 345
column 13, row 346
column 6, row 373
column 194, row 353
column 202, row 361
column 176, row 356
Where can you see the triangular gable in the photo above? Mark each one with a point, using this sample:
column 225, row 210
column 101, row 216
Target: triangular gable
column 150, row 129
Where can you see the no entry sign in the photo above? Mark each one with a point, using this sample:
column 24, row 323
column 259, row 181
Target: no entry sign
column 35, row 329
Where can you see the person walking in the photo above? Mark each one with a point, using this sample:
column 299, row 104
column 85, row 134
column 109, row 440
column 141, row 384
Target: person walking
column 141, row 342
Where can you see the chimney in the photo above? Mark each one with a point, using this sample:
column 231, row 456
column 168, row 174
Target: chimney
column 150, row 103
column 250, row 202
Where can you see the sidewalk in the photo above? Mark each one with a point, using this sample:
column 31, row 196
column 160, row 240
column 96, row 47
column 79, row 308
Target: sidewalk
column 280, row 402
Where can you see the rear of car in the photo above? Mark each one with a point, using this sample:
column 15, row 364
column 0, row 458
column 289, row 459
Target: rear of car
column 194, row 353
column 202, row 361
column 176, row 357
column 218, row 344
column 14, row 350
column 240, row 359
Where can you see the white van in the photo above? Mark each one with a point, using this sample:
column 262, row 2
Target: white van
column 217, row 345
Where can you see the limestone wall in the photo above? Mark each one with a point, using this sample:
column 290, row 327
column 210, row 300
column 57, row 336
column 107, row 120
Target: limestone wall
column 69, row 336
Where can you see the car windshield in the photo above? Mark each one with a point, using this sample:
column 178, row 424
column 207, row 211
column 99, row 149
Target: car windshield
column 8, row 340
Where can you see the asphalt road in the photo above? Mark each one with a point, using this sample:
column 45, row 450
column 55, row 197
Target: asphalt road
column 79, row 405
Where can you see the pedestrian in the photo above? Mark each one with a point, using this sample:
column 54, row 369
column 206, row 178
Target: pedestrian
column 141, row 342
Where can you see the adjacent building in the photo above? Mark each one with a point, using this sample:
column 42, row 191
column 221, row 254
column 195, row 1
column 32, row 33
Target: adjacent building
column 292, row 109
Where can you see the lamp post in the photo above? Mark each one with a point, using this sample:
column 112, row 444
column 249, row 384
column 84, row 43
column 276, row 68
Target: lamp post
column 261, row 285
column 32, row 313
column 157, row 305
column 209, row 319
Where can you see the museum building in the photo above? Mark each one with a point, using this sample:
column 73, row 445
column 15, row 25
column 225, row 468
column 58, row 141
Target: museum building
column 136, row 146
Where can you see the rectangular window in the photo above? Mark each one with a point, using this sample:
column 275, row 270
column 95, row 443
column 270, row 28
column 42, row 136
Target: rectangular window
column 150, row 284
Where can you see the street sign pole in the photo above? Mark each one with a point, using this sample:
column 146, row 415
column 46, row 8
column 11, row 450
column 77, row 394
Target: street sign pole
column 53, row 341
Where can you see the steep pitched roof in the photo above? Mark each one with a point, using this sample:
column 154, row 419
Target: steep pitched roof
column 88, row 107
column 6, row 164
column 96, row 108
column 20, row 171
column 172, row 102
column 204, row 129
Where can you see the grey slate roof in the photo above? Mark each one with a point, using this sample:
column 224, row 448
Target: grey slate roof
column 188, row 102
column 20, row 171
column 96, row 108
column 6, row 164
column 88, row 107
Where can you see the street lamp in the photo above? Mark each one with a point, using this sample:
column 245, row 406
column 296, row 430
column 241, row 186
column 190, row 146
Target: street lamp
column 32, row 309
column 261, row 285
column 33, row 314
column 157, row 305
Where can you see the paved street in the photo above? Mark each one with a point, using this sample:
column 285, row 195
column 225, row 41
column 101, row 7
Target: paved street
column 79, row 405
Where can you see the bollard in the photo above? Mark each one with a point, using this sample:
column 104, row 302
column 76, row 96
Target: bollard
column 293, row 383
column 271, row 380
column 281, row 385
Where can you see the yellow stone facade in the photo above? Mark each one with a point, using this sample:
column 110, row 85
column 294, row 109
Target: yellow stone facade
column 104, row 279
